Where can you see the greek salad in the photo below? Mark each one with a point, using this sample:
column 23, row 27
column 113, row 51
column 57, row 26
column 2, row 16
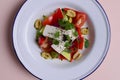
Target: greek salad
column 61, row 35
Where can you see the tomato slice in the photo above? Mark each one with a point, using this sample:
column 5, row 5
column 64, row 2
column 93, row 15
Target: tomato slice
column 61, row 57
column 48, row 21
column 74, row 48
column 41, row 40
column 80, row 19
column 57, row 15
column 79, row 31
column 53, row 19
column 65, row 9
column 80, row 42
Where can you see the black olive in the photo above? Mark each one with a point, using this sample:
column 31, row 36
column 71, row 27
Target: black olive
column 64, row 38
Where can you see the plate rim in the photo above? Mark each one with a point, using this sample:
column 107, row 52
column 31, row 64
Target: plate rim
column 105, row 51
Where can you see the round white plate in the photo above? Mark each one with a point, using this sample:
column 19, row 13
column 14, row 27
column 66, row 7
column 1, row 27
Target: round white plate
column 29, row 53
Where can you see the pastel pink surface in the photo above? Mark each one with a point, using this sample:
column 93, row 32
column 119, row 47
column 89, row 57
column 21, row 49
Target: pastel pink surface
column 11, row 69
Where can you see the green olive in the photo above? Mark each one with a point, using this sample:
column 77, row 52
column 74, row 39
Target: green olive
column 38, row 24
column 85, row 31
column 77, row 56
column 71, row 13
column 46, row 55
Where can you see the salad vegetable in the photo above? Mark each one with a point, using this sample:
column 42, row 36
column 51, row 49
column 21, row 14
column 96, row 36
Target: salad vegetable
column 61, row 35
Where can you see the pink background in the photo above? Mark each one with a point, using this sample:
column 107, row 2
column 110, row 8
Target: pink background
column 11, row 69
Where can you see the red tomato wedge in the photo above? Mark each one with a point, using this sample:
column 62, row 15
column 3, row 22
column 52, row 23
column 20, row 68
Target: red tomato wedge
column 74, row 48
column 41, row 40
column 65, row 9
column 80, row 42
column 61, row 57
column 48, row 21
column 79, row 31
column 80, row 19
column 53, row 19
column 57, row 15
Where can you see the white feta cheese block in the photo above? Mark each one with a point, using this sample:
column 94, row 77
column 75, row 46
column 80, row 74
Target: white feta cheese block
column 49, row 31
column 59, row 48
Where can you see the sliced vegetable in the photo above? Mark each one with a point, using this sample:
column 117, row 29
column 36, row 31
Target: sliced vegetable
column 86, row 43
column 80, row 42
column 79, row 31
column 46, row 55
column 41, row 40
column 74, row 48
column 77, row 56
column 54, row 54
column 66, row 18
column 66, row 55
column 80, row 19
column 66, row 9
column 71, row 13
column 61, row 57
column 38, row 24
column 84, row 31
column 67, row 50
column 70, row 20
column 57, row 15
column 48, row 21
column 53, row 19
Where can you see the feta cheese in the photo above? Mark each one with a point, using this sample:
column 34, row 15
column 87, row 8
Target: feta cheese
column 59, row 48
column 49, row 31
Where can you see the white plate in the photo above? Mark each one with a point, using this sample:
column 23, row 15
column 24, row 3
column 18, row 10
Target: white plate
column 29, row 53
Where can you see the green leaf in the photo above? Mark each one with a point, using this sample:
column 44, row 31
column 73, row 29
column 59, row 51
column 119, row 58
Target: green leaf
column 75, row 33
column 44, row 17
column 86, row 43
column 54, row 54
column 56, row 42
column 68, row 37
column 57, row 34
column 66, row 24
column 67, row 44
column 38, row 34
